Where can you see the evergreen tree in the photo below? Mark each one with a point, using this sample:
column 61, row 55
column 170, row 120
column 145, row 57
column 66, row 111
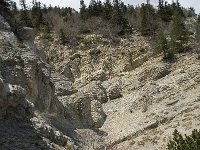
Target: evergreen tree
column 13, row 7
column 163, row 46
column 176, row 8
column 92, row 9
column 165, row 11
column 119, row 19
column 107, row 10
column 37, row 15
column 95, row 8
column 198, row 36
column 44, row 8
column 198, row 30
column 191, row 12
column 4, row 7
column 191, row 142
column 83, row 11
column 179, row 33
column 148, row 22
column 24, row 18
column 99, row 8
column 5, row 10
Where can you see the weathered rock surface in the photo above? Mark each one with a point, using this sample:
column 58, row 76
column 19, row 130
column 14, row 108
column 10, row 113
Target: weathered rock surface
column 97, row 96
column 114, row 92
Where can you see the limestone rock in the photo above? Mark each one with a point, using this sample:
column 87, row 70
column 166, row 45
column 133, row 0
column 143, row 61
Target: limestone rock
column 12, row 101
column 82, row 110
column 114, row 92
column 95, row 91
column 52, row 134
column 98, row 115
column 63, row 86
column 99, row 75
column 27, row 33
column 51, row 91
column 65, row 69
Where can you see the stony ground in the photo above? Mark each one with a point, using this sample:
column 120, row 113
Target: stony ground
column 95, row 96
column 146, row 116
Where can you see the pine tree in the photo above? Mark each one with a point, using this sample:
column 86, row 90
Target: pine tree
column 164, row 11
column 198, row 30
column 119, row 19
column 163, row 46
column 198, row 36
column 4, row 7
column 92, row 9
column 107, row 10
column 191, row 142
column 37, row 15
column 24, row 18
column 179, row 33
column 13, row 7
column 148, row 22
column 83, row 11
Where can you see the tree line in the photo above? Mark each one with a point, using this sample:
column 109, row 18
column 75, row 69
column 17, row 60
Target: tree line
column 165, row 24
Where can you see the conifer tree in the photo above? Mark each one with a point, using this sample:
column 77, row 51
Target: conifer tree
column 165, row 11
column 198, row 36
column 179, row 33
column 107, row 10
column 13, row 7
column 37, row 15
column 119, row 19
column 24, row 17
column 92, row 9
column 4, row 6
column 198, row 29
column 148, row 22
column 163, row 45
column 191, row 142
column 83, row 11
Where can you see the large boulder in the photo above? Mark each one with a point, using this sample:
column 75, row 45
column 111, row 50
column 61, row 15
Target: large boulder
column 98, row 115
column 95, row 91
column 99, row 75
column 114, row 92
column 82, row 110
column 62, row 84
column 13, row 103
column 27, row 33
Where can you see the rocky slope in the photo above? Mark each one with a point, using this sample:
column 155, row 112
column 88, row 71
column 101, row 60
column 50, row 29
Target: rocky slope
column 97, row 96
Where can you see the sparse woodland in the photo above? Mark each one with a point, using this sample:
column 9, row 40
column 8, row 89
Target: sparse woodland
column 111, row 19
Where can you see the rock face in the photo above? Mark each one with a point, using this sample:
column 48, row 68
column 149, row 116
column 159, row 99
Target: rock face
column 12, row 101
column 97, row 96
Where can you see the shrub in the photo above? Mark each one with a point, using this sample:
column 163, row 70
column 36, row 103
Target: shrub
column 191, row 142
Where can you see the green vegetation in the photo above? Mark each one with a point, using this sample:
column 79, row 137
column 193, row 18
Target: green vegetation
column 164, row 46
column 24, row 17
column 179, row 33
column 148, row 21
column 191, row 142
column 111, row 19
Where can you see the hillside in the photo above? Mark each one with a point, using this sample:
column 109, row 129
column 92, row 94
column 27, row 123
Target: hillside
column 100, row 96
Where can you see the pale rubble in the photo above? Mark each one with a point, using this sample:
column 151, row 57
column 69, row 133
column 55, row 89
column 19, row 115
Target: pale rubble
column 94, row 96
column 143, row 93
